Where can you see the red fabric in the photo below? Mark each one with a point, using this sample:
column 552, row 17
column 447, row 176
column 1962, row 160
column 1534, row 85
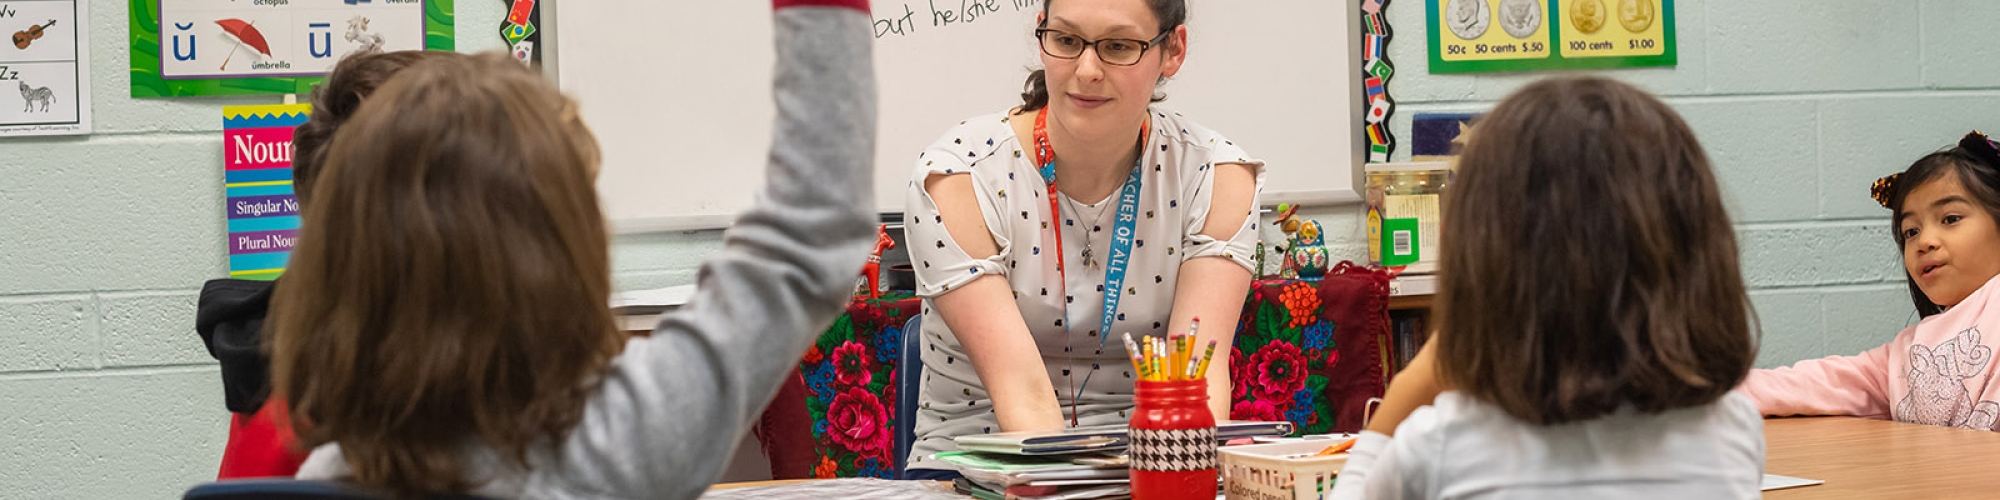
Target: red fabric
column 1357, row 301
column 860, row 5
column 785, row 432
column 1310, row 351
column 261, row 445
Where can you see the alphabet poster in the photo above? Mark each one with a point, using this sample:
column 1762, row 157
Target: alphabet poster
column 223, row 47
column 258, row 200
column 1471, row 36
column 47, row 64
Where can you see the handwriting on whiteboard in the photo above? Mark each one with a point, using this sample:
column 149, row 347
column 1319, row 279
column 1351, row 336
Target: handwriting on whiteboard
column 905, row 21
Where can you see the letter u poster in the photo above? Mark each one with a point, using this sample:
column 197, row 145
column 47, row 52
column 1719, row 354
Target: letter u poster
column 258, row 201
column 225, row 47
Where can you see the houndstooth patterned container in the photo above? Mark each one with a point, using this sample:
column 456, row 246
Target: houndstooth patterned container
column 1173, row 441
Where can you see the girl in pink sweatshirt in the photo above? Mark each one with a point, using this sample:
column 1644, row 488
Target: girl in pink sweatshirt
column 1946, row 209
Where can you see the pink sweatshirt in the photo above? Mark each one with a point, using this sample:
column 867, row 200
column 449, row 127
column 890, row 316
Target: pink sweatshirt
column 1939, row 372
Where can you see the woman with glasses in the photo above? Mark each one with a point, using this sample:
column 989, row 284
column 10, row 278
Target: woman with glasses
column 1043, row 234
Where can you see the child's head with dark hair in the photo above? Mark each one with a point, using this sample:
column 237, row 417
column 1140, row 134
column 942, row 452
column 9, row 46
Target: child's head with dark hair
column 448, row 286
column 1588, row 262
column 335, row 100
column 1945, row 208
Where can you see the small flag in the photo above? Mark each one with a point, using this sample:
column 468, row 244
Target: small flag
column 1373, row 24
column 1380, row 69
column 518, row 15
column 1374, row 86
column 524, row 52
column 1378, row 110
column 1376, row 135
column 1378, row 153
column 1371, row 6
column 515, row 33
column 1371, row 47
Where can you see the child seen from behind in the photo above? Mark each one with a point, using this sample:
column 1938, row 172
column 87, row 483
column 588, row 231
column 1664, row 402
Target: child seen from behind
column 445, row 323
column 1592, row 319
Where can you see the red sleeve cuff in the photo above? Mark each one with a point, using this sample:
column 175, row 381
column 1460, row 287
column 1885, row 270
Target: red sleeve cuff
column 860, row 5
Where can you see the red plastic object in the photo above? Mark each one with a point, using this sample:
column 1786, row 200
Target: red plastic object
column 1173, row 441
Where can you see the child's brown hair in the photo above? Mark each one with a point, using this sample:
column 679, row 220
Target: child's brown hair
column 1588, row 261
column 450, row 285
column 337, row 98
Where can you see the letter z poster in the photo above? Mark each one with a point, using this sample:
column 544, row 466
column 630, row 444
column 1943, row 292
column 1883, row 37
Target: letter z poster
column 258, row 201
column 46, row 62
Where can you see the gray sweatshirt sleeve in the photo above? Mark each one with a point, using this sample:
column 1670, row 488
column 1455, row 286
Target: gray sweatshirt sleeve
column 671, row 407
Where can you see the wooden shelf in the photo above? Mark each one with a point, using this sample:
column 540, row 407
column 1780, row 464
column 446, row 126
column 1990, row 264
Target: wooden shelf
column 1408, row 302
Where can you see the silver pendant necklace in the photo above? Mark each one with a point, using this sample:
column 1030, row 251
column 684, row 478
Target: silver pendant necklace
column 1089, row 256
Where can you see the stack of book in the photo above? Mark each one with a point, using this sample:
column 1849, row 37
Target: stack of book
column 1080, row 463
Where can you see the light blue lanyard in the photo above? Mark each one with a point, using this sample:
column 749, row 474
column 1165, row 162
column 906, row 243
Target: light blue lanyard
column 1122, row 231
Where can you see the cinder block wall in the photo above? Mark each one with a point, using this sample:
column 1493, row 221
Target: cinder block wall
column 105, row 392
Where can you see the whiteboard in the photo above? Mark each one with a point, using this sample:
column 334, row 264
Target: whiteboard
column 679, row 92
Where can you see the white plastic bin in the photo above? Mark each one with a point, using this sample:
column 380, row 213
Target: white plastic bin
column 1282, row 471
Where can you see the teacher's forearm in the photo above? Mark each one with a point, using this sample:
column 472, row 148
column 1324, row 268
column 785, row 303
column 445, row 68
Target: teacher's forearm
column 1213, row 289
column 983, row 316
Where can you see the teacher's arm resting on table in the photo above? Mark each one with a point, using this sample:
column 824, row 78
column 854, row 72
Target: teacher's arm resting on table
column 983, row 316
column 1213, row 288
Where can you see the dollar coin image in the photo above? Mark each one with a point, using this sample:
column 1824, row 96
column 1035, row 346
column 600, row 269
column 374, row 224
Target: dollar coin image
column 1520, row 18
column 1467, row 18
column 1635, row 15
column 1587, row 15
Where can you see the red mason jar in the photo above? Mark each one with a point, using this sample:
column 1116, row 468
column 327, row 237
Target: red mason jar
column 1173, row 441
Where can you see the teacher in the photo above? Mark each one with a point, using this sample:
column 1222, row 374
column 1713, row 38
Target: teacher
column 1028, row 283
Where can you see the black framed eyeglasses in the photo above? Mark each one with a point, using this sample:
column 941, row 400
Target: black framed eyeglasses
column 1113, row 51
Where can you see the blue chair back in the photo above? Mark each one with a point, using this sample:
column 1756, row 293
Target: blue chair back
column 289, row 489
column 278, row 489
column 909, row 376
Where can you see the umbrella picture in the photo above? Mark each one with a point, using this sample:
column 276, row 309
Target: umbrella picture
column 245, row 35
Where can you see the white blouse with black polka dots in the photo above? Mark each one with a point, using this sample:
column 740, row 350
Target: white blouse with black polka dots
column 1176, row 180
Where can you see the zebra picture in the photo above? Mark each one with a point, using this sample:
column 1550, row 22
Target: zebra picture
column 35, row 94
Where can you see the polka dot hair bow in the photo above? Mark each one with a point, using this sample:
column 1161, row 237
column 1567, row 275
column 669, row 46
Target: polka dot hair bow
column 1975, row 144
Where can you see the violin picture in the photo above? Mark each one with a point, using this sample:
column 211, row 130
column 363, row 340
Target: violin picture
column 28, row 36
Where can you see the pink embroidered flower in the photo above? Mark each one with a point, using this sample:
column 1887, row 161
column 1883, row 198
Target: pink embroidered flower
column 852, row 365
column 1279, row 371
column 1256, row 410
column 889, row 389
column 1239, row 378
column 859, row 423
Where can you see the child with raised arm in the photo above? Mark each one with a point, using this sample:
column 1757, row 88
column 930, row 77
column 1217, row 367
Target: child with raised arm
column 445, row 327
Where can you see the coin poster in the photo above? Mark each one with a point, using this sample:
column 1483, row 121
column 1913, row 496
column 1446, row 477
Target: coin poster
column 1477, row 36
column 226, row 47
column 48, row 63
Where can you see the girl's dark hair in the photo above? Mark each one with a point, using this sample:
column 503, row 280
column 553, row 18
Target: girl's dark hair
column 1977, row 168
column 1171, row 14
column 336, row 99
column 1588, row 261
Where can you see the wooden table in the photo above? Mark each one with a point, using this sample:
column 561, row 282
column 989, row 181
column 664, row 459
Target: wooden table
column 1860, row 458
column 755, row 484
